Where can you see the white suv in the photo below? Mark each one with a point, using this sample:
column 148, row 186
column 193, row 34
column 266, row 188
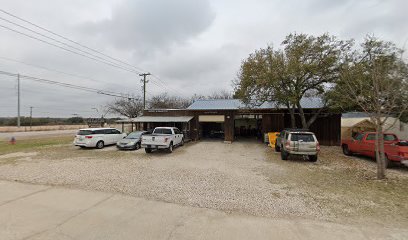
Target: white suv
column 97, row 137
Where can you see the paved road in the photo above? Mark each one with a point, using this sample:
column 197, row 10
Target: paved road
column 44, row 212
column 36, row 134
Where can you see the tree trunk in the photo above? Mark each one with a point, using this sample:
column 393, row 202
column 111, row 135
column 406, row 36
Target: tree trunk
column 314, row 117
column 302, row 116
column 379, row 151
column 292, row 116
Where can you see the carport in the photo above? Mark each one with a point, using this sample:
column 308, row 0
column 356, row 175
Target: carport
column 150, row 122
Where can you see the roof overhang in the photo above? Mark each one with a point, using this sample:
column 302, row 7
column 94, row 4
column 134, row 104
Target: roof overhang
column 159, row 119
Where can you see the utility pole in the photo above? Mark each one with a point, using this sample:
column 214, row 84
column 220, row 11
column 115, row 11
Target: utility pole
column 31, row 117
column 144, row 87
column 18, row 100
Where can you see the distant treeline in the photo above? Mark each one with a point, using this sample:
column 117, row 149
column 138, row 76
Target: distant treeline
column 25, row 121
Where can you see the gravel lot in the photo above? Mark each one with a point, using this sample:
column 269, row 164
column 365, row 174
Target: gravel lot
column 244, row 177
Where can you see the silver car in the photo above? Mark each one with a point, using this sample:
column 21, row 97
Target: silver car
column 299, row 143
column 132, row 141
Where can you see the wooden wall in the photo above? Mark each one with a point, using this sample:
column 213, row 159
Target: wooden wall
column 272, row 123
column 327, row 127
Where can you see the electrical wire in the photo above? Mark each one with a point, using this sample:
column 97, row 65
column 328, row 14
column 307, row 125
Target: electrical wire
column 68, row 85
column 70, row 40
column 81, row 52
column 60, row 42
column 67, row 49
column 61, row 72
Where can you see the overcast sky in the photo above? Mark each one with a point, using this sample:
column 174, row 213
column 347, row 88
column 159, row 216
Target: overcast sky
column 193, row 46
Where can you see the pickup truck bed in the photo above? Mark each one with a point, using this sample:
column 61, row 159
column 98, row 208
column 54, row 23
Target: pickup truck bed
column 156, row 140
column 162, row 138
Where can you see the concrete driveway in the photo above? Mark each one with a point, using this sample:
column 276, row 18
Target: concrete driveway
column 43, row 212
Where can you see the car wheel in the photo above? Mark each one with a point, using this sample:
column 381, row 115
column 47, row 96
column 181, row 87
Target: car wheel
column 388, row 162
column 284, row 155
column 170, row 148
column 277, row 148
column 312, row 158
column 137, row 146
column 100, row 145
column 346, row 150
column 148, row 150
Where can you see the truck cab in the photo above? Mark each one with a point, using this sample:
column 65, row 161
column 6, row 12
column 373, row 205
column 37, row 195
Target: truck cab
column 364, row 144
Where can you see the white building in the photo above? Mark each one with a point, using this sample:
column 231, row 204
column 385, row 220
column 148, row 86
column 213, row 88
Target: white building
column 392, row 125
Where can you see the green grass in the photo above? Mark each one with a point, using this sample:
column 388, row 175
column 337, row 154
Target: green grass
column 31, row 144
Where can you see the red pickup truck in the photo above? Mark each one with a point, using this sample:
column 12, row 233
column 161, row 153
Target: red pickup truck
column 364, row 144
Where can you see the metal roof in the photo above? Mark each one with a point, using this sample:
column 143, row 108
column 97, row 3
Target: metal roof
column 159, row 119
column 355, row 115
column 217, row 104
column 235, row 104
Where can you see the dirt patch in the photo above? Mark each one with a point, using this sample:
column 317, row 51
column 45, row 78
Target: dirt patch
column 18, row 155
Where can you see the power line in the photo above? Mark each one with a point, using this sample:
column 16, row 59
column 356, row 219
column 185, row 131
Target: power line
column 47, row 81
column 53, row 39
column 82, row 52
column 57, row 71
column 163, row 83
column 67, row 49
column 70, row 40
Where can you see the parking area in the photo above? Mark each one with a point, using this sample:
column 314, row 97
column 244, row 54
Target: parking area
column 244, row 177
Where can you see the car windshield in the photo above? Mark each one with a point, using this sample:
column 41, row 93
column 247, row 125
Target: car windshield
column 85, row 132
column 302, row 137
column 162, row 131
column 134, row 135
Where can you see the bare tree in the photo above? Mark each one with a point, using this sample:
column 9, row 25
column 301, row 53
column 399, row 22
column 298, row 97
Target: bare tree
column 376, row 82
column 165, row 101
column 222, row 94
column 128, row 107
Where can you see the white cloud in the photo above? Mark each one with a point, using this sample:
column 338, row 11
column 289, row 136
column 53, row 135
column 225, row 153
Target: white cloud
column 194, row 46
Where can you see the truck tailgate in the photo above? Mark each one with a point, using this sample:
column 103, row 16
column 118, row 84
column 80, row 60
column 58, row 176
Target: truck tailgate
column 154, row 140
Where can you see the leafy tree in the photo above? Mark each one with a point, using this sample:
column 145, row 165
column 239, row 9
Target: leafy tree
column 302, row 68
column 374, row 81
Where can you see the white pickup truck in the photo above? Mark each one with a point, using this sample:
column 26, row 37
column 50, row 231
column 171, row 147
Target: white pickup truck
column 163, row 138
